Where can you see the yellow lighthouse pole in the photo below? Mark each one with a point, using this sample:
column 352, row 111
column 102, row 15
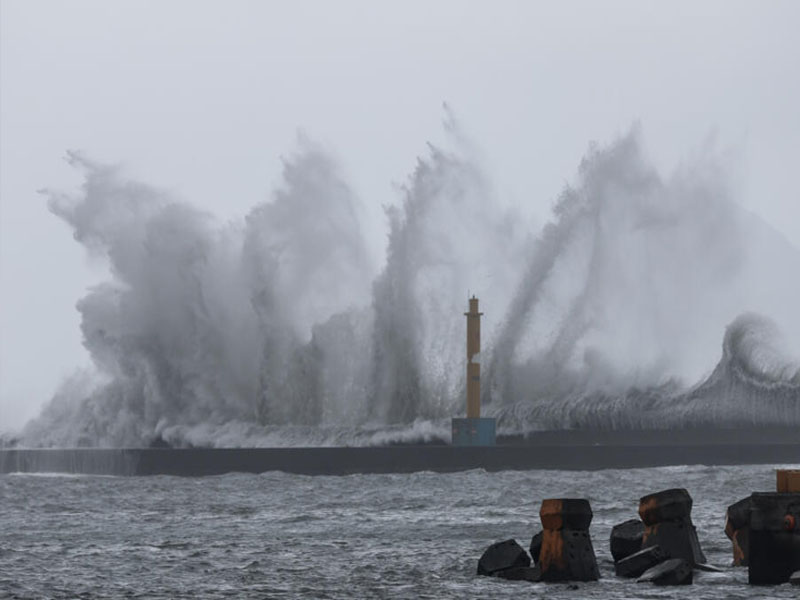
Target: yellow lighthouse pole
column 474, row 430
column 473, row 360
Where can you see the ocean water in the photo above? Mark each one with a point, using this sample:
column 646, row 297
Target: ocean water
column 361, row 536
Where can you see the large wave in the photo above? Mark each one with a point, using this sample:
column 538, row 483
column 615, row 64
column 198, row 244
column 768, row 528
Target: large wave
column 755, row 383
column 277, row 330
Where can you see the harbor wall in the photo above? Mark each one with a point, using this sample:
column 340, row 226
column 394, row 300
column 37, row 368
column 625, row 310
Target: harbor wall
column 390, row 459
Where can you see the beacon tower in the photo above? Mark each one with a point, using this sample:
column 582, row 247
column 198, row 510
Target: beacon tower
column 474, row 430
column 473, row 360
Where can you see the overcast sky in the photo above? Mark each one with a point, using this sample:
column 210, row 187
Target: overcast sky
column 202, row 98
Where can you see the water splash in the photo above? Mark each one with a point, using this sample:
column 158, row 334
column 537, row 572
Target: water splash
column 276, row 331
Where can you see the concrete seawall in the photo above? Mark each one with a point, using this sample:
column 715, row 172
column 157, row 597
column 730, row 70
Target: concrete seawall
column 392, row 459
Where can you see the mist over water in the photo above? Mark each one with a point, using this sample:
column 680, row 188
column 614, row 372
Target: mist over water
column 647, row 300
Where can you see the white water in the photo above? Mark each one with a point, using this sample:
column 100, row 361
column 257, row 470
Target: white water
column 277, row 330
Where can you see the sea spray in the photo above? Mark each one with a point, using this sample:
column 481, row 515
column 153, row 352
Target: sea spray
column 627, row 290
column 276, row 330
column 204, row 323
column 448, row 236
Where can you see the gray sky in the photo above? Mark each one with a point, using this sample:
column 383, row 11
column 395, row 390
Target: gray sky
column 203, row 97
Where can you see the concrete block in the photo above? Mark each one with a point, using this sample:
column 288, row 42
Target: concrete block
column 788, row 481
column 536, row 546
column 626, row 538
column 774, row 538
column 667, row 505
column 639, row 562
column 674, row 571
column 566, row 513
column 533, row 574
column 567, row 553
column 737, row 528
column 668, row 523
column 501, row 556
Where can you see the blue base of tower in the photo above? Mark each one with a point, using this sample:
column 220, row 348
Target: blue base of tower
column 474, row 432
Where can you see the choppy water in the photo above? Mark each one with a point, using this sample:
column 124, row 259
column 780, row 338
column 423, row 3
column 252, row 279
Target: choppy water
column 361, row 536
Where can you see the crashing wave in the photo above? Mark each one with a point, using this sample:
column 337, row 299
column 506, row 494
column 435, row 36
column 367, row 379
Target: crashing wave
column 275, row 330
column 755, row 383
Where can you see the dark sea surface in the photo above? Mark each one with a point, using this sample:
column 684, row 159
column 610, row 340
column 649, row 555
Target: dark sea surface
column 360, row 536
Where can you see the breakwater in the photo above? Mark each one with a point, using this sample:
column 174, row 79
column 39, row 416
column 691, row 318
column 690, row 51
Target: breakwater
column 579, row 451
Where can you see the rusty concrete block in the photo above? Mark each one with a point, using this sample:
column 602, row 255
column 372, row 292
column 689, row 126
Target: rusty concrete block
column 774, row 551
column 788, row 481
column 737, row 528
column 667, row 505
column 566, row 552
column 668, row 523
